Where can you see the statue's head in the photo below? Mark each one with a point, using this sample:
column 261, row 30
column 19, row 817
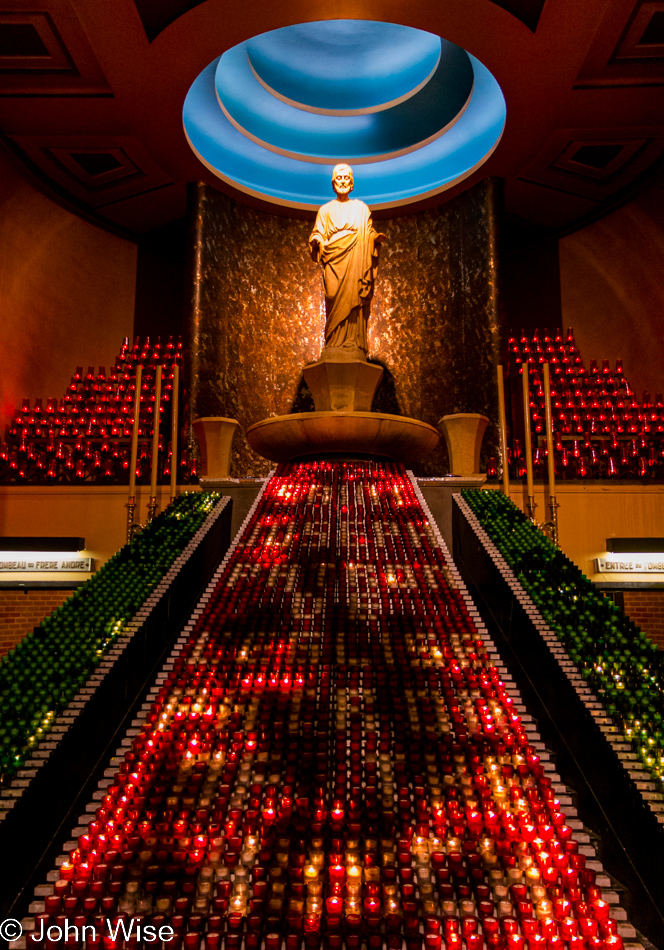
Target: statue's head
column 342, row 180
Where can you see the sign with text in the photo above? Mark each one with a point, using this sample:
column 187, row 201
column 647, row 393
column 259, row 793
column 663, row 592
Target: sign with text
column 630, row 564
column 45, row 564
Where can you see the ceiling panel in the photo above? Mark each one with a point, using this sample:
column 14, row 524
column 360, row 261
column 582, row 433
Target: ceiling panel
column 96, row 170
column 595, row 163
column 628, row 48
column 44, row 52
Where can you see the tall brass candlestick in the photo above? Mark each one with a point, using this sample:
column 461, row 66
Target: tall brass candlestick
column 553, row 504
column 549, row 430
column 152, row 506
column 131, row 504
column 530, row 506
column 175, row 395
column 503, row 431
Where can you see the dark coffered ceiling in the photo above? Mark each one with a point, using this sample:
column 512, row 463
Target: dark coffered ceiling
column 528, row 11
column 91, row 95
column 156, row 15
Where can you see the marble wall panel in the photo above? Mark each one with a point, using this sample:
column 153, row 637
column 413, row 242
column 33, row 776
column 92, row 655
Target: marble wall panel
column 257, row 314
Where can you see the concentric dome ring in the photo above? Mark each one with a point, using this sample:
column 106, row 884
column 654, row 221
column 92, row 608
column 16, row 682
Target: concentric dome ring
column 344, row 67
column 417, row 121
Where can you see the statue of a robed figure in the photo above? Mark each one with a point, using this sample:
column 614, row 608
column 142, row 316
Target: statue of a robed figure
column 345, row 242
column 342, row 381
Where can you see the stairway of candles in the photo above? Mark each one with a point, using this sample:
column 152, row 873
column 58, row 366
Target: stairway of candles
column 619, row 661
column 601, row 430
column 84, row 437
column 332, row 758
column 43, row 673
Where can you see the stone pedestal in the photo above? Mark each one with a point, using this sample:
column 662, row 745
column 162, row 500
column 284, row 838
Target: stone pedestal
column 343, row 425
column 463, row 433
column 215, row 438
column 342, row 435
column 343, row 386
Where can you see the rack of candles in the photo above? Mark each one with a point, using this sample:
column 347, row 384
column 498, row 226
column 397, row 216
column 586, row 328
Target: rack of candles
column 614, row 657
column 86, row 436
column 332, row 757
column 600, row 429
column 606, row 675
column 44, row 672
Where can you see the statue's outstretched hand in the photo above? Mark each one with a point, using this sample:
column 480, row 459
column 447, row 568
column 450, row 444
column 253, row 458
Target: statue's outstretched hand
column 378, row 240
column 315, row 248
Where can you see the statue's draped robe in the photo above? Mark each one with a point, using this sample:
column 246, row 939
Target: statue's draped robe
column 349, row 256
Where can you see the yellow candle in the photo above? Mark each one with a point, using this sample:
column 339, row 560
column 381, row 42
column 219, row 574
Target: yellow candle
column 421, row 845
column 134, row 433
column 526, row 426
column 155, row 433
column 503, row 431
column 549, row 432
column 175, row 395
column 543, row 909
column 239, row 904
column 533, row 875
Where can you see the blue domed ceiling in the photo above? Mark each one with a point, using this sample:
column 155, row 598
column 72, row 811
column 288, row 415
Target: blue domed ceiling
column 273, row 115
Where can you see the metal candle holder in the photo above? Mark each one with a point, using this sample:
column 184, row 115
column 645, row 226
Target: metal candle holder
column 549, row 528
column 132, row 527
